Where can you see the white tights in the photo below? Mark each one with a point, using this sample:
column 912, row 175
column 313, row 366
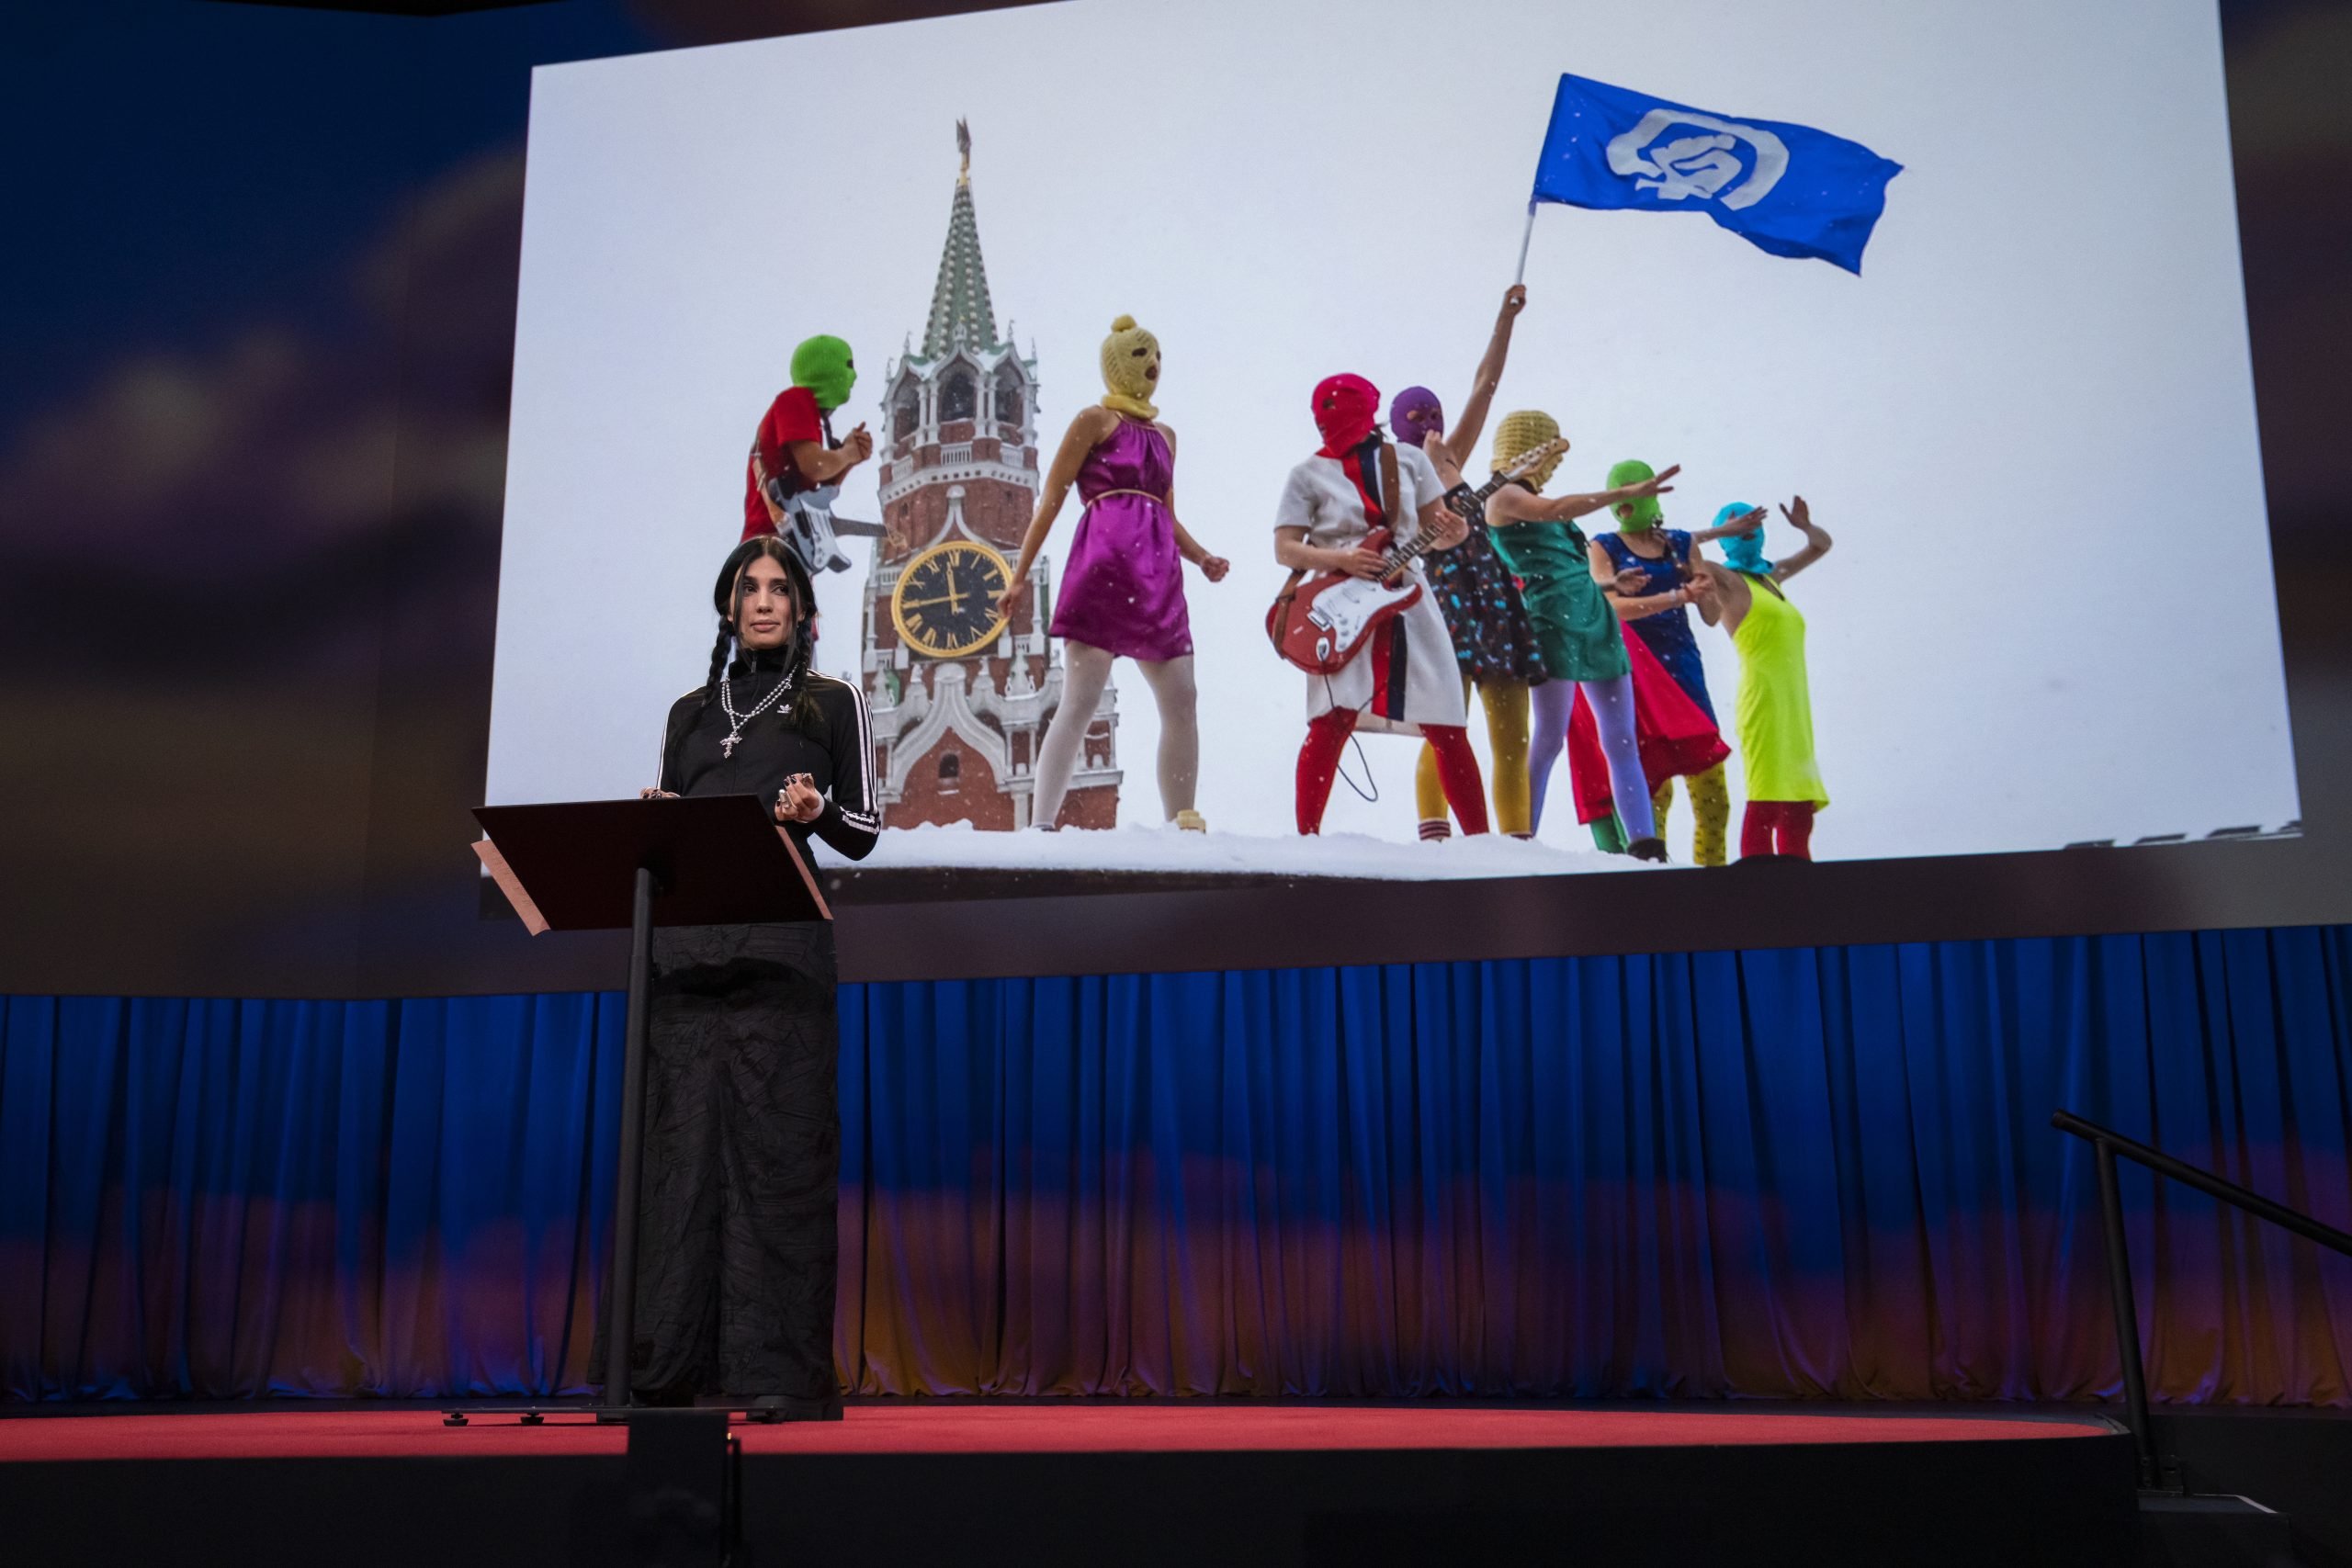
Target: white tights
column 1086, row 670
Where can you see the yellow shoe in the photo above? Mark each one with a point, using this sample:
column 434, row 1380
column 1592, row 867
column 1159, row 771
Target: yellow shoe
column 1191, row 821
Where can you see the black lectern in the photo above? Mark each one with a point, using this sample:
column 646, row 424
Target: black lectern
column 596, row 865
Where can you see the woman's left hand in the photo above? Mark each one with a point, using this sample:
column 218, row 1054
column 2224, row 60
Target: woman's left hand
column 1214, row 567
column 798, row 801
column 1654, row 485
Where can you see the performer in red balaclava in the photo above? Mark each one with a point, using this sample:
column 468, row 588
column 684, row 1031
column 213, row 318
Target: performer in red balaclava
column 1406, row 674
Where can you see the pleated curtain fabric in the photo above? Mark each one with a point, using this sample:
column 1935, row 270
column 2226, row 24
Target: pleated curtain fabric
column 1794, row 1173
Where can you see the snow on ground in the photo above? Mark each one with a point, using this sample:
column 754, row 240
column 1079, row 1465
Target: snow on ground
column 1163, row 849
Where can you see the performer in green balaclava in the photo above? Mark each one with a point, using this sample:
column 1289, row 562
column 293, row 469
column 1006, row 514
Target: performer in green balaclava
column 792, row 449
column 823, row 365
column 1635, row 516
column 1656, row 614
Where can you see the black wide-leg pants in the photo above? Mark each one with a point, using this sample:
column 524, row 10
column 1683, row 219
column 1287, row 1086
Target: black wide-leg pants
column 735, row 1222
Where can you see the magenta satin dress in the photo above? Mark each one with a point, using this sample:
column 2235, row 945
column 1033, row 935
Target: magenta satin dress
column 1123, row 589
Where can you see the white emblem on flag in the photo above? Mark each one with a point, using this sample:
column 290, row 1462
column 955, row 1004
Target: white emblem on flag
column 1706, row 165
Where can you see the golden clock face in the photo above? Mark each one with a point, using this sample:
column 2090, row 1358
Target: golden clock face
column 945, row 604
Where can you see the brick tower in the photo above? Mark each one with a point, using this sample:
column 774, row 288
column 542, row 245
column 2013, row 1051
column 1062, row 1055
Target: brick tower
column 959, row 699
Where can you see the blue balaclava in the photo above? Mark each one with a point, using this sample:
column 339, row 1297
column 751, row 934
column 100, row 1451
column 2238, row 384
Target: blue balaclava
column 1743, row 552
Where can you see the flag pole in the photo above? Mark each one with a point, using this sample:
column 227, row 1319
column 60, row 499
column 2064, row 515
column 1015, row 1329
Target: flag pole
column 1523, row 240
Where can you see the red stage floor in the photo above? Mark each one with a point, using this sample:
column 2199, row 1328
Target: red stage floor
column 1001, row 1428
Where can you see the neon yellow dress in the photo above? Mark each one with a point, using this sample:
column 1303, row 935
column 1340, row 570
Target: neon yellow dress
column 1775, row 708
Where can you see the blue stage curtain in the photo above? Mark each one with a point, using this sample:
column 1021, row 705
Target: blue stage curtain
column 1788, row 1173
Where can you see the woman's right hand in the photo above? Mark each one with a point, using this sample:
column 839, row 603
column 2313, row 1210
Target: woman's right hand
column 656, row 795
column 1010, row 600
column 1358, row 563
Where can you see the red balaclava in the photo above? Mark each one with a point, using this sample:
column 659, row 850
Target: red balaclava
column 1345, row 410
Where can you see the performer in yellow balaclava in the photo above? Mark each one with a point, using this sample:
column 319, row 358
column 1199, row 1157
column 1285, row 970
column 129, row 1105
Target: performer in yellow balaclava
column 1122, row 586
column 1583, row 648
column 1130, row 369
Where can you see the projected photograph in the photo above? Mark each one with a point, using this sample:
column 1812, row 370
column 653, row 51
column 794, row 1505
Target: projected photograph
column 1219, row 441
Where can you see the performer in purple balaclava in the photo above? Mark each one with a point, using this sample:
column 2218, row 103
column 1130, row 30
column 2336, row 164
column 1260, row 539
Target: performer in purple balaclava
column 1492, row 641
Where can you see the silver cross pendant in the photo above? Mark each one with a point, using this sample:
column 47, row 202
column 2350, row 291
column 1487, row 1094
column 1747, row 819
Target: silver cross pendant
column 727, row 747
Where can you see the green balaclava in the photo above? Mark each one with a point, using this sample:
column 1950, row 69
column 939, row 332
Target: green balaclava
column 824, row 366
column 1635, row 516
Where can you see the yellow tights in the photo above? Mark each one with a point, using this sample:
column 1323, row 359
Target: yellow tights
column 1506, row 705
column 1710, row 803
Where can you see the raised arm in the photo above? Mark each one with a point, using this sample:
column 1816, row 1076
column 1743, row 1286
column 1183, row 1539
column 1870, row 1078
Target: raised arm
column 1513, row 504
column 1816, row 540
column 1462, row 439
column 1089, row 429
column 1745, row 523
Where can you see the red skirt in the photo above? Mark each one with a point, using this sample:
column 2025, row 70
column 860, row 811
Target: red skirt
column 1677, row 736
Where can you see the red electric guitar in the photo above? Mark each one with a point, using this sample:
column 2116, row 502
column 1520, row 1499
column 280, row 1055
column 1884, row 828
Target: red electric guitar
column 1320, row 625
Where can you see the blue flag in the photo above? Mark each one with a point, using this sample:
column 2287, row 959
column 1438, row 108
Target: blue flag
column 1788, row 190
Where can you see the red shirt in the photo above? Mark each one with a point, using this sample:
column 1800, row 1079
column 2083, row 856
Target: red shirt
column 793, row 416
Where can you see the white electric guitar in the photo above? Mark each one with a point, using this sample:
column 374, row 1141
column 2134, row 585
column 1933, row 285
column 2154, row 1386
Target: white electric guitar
column 809, row 527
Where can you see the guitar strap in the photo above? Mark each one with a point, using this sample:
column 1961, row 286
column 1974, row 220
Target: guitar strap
column 1278, row 613
column 1389, row 681
column 1389, row 491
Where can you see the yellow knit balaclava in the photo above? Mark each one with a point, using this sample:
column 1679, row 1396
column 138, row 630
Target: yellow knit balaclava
column 1519, row 434
column 1131, row 368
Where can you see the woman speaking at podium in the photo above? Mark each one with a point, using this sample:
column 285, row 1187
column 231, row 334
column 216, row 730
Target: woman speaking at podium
column 743, row 1129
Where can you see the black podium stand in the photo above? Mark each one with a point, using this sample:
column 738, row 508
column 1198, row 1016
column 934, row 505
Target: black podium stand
column 598, row 865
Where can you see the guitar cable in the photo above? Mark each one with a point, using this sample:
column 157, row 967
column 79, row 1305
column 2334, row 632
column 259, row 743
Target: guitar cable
column 1403, row 556
column 1340, row 767
column 1370, row 796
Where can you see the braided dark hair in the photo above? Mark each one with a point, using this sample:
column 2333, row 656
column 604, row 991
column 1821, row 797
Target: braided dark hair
column 726, row 593
column 719, row 652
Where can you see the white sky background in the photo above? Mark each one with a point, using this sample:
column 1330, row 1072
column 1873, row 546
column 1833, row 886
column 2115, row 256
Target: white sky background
column 2029, row 424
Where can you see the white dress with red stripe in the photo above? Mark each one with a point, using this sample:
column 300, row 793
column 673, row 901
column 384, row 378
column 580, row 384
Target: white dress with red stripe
column 1408, row 675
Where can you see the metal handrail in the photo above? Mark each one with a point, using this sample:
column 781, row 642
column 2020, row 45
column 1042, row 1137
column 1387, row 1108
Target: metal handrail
column 2105, row 1144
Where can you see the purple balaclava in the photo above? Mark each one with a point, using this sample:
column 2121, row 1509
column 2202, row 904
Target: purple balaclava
column 1414, row 416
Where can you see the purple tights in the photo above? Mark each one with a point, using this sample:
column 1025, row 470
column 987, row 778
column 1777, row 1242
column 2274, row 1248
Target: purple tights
column 1612, row 709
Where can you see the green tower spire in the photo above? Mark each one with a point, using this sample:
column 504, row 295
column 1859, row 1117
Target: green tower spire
column 959, row 301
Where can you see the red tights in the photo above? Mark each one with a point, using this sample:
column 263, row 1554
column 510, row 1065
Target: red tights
column 1457, row 770
column 1782, row 827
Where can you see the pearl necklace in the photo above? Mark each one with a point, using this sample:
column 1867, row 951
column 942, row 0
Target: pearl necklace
column 736, row 721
